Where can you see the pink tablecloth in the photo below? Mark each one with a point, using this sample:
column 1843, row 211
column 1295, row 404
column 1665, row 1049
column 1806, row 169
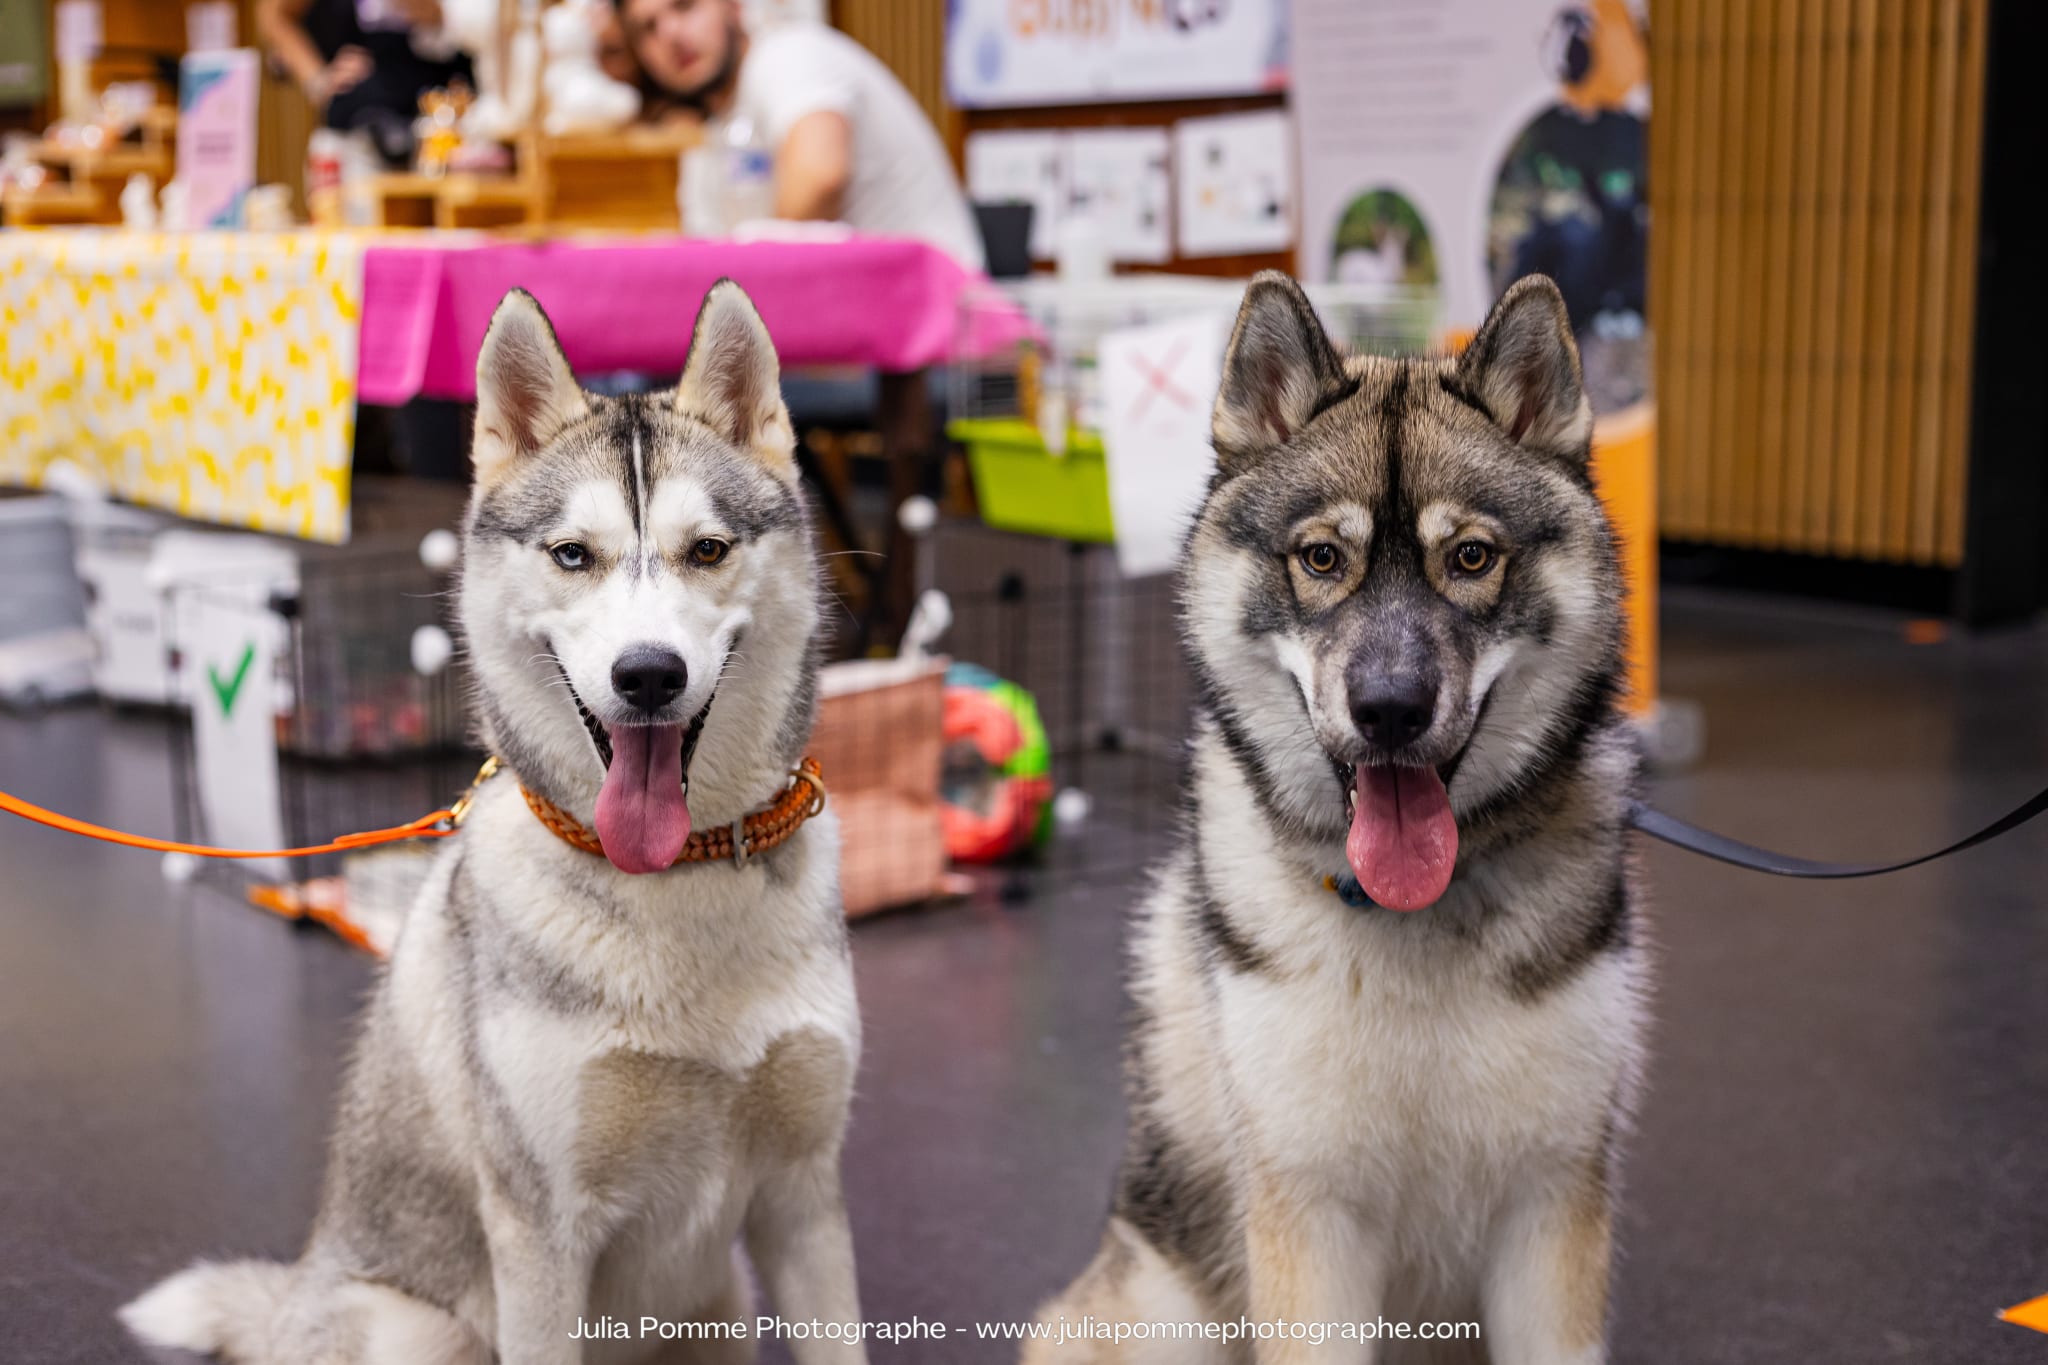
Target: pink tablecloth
column 883, row 303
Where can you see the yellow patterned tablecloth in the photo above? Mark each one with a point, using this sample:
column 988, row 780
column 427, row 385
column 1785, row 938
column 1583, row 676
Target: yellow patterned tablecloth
column 209, row 374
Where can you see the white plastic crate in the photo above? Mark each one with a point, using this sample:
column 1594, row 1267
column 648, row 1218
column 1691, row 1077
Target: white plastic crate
column 45, row 653
column 124, row 611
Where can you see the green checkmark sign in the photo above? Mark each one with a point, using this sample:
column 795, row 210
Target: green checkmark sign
column 228, row 690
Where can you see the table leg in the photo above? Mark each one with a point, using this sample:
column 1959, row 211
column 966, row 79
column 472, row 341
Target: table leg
column 831, row 488
column 904, row 417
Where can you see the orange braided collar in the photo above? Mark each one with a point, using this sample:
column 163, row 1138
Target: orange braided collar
column 758, row 833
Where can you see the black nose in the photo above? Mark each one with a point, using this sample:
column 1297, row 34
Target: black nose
column 1392, row 713
column 649, row 677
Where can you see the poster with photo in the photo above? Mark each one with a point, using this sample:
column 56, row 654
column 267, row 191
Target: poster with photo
column 1022, row 166
column 1460, row 147
column 1234, row 183
column 1119, row 177
column 1449, row 149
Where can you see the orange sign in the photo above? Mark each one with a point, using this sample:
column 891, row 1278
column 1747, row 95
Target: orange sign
column 2033, row 1313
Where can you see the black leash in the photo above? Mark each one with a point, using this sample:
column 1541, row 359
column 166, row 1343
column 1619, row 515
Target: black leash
column 1692, row 838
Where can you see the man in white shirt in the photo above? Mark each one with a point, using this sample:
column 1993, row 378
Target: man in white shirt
column 849, row 143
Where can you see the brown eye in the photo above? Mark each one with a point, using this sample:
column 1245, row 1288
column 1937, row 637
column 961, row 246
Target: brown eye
column 1474, row 557
column 708, row 551
column 1322, row 559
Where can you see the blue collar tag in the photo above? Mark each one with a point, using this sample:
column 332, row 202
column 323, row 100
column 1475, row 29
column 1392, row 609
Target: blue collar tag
column 1349, row 891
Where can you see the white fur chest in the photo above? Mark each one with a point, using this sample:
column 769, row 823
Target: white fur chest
column 649, row 1042
column 1401, row 1068
column 710, row 962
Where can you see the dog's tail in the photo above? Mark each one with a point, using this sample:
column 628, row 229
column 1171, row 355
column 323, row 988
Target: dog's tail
column 226, row 1309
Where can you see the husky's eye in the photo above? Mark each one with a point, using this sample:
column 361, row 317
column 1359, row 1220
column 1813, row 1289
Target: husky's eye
column 708, row 551
column 1322, row 559
column 1473, row 557
column 570, row 555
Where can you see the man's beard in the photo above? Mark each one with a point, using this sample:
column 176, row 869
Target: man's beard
column 700, row 96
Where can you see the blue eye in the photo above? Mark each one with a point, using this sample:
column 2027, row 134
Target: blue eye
column 570, row 555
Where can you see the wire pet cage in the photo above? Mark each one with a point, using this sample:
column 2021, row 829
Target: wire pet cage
column 1027, row 400
column 354, row 684
column 1096, row 653
column 1037, row 595
column 1038, row 336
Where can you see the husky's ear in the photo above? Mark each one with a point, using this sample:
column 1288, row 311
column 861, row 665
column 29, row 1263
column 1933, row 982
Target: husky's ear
column 1523, row 367
column 732, row 384
column 524, row 391
column 1278, row 370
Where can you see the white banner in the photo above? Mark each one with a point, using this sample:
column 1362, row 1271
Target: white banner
column 1012, row 53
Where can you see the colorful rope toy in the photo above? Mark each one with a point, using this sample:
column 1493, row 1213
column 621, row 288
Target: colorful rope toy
column 997, row 790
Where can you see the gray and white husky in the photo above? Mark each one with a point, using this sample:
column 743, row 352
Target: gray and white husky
column 1389, row 1003
column 583, row 1080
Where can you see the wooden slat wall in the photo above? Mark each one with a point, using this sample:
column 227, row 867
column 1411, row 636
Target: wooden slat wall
column 284, row 118
column 1814, row 187
column 910, row 38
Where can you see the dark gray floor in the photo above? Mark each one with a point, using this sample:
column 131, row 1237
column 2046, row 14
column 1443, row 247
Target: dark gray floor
column 1841, row 1157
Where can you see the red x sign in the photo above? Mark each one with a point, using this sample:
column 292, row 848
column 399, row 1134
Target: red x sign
column 1159, row 379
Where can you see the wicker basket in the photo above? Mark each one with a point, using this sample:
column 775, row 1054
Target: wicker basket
column 879, row 740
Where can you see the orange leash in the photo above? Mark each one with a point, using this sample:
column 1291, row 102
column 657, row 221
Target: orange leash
column 433, row 825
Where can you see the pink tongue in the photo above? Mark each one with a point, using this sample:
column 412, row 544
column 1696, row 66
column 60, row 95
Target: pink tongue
column 1403, row 844
column 642, row 819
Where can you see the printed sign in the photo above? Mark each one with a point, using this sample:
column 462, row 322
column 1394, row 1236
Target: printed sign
column 232, row 646
column 217, row 135
column 1235, row 183
column 1158, row 386
column 1012, row 53
column 1118, row 177
column 1022, row 167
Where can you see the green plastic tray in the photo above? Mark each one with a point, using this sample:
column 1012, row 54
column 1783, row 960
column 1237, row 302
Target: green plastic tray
column 1023, row 487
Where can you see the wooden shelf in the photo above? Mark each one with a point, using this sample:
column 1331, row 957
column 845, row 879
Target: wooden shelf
column 627, row 144
column 57, row 204
column 92, row 177
column 117, row 162
column 624, row 181
column 460, row 200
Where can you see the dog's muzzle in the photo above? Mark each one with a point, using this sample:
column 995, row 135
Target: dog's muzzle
column 601, row 738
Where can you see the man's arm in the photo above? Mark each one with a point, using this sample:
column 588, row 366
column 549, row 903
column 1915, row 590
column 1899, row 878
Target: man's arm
column 813, row 166
column 281, row 25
